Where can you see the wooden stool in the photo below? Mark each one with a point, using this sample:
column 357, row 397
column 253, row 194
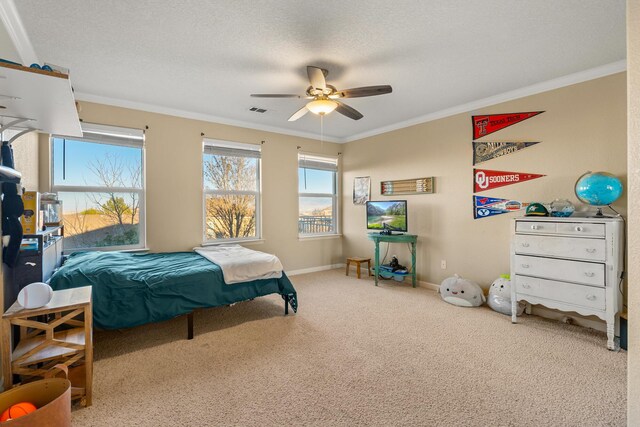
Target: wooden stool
column 357, row 261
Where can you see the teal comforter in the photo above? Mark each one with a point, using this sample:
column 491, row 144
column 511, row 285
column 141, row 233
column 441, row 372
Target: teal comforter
column 130, row 289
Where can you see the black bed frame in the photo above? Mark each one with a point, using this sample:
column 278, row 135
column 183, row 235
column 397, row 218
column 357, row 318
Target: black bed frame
column 190, row 317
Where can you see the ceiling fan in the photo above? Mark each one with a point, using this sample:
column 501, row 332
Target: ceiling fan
column 325, row 97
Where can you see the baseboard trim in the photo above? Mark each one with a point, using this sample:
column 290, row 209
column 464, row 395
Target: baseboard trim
column 429, row 285
column 315, row 269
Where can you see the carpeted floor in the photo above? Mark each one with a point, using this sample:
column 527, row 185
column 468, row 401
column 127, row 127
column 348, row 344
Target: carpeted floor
column 356, row 355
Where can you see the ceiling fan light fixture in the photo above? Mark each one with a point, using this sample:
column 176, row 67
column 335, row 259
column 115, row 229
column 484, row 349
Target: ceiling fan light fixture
column 322, row 106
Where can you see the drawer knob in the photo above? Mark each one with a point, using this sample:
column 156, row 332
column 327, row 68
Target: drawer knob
column 578, row 228
column 591, row 250
column 526, row 286
column 524, row 245
column 591, row 297
column 525, row 265
column 589, row 273
column 534, row 227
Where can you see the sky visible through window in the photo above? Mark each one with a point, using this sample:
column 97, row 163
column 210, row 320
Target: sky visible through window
column 314, row 181
column 80, row 156
column 79, row 168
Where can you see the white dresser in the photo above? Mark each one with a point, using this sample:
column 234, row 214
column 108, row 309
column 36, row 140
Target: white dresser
column 569, row 264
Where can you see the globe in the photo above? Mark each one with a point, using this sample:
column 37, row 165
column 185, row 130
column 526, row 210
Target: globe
column 598, row 188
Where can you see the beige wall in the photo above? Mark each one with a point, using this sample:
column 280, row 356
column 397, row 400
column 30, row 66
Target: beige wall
column 173, row 170
column 582, row 129
column 26, row 153
column 633, row 147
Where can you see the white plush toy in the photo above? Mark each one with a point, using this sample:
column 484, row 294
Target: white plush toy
column 462, row 292
column 500, row 296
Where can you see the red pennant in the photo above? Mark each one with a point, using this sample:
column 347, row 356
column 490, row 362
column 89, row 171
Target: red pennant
column 484, row 179
column 485, row 125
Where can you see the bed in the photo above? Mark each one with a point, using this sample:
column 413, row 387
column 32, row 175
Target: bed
column 131, row 289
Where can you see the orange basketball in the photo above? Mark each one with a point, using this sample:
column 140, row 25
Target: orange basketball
column 18, row 410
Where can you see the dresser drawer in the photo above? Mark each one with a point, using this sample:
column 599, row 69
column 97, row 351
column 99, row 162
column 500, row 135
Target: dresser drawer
column 563, row 247
column 588, row 273
column 581, row 229
column 541, row 227
column 586, row 296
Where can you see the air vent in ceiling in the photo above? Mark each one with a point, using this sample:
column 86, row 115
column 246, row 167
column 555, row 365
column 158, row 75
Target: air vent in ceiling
column 257, row 110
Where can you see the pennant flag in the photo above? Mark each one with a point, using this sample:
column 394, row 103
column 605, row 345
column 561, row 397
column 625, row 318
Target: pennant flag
column 484, row 179
column 485, row 125
column 501, row 204
column 487, row 212
column 484, row 207
column 483, row 151
column 479, row 201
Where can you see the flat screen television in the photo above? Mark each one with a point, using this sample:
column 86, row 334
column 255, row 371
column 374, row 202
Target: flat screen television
column 388, row 215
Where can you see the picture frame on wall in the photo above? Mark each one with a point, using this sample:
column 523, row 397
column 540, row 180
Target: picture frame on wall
column 361, row 190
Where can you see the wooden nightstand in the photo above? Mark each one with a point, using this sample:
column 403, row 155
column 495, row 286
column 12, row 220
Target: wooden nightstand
column 58, row 333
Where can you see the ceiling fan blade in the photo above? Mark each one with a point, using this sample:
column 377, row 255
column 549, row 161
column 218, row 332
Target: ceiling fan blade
column 359, row 92
column 301, row 112
column 275, row 95
column 316, row 77
column 350, row 112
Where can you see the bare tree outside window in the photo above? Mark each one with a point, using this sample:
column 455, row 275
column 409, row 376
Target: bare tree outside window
column 101, row 193
column 111, row 173
column 230, row 202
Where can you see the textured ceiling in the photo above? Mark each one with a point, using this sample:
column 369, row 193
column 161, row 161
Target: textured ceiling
column 206, row 57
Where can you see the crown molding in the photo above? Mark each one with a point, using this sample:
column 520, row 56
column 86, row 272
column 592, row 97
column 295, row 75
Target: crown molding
column 87, row 97
column 568, row 80
column 18, row 34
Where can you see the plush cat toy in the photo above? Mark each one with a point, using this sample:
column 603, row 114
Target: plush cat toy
column 500, row 296
column 464, row 293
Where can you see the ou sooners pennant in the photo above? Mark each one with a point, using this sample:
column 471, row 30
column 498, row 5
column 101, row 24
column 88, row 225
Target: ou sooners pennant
column 484, row 207
column 484, row 179
column 487, row 124
column 483, row 151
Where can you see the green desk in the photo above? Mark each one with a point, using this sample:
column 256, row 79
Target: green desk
column 395, row 238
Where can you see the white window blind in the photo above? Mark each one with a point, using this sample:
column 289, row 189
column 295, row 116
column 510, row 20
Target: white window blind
column 229, row 148
column 112, row 135
column 317, row 162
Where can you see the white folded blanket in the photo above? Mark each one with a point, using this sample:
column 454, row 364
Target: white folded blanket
column 240, row 264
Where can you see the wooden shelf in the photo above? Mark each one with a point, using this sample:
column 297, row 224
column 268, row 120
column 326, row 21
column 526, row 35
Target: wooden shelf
column 60, row 333
column 71, row 336
column 44, row 97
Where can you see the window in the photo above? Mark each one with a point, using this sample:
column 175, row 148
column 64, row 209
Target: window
column 317, row 195
column 231, row 181
column 100, row 180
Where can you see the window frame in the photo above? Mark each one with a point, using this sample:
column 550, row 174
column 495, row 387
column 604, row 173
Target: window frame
column 239, row 146
column 126, row 134
column 335, row 196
